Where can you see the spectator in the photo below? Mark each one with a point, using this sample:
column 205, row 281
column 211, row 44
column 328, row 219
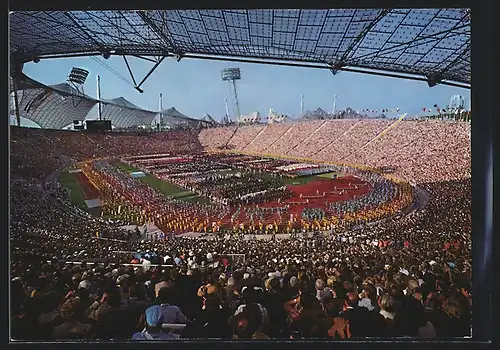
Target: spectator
column 72, row 312
column 171, row 313
column 247, row 324
column 153, row 328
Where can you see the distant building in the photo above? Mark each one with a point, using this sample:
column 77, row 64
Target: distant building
column 272, row 117
column 456, row 102
column 251, row 118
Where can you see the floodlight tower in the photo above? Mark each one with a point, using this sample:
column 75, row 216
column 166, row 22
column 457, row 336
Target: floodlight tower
column 301, row 106
column 231, row 75
column 227, row 111
column 99, row 106
column 334, row 103
column 159, row 123
column 77, row 78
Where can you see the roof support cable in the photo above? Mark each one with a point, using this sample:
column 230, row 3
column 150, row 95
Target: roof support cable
column 129, row 70
column 138, row 86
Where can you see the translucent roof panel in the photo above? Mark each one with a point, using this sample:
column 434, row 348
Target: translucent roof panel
column 54, row 107
column 426, row 42
column 51, row 108
column 125, row 117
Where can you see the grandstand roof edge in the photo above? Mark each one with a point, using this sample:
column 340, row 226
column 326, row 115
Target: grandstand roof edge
column 433, row 44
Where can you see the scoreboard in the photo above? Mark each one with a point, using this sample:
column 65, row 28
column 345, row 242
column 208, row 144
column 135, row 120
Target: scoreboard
column 98, row 125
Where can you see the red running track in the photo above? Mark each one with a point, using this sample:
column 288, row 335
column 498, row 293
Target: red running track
column 311, row 189
column 89, row 190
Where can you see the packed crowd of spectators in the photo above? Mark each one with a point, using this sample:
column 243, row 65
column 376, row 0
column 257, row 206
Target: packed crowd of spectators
column 390, row 280
column 408, row 277
column 417, row 150
column 267, row 137
column 295, row 135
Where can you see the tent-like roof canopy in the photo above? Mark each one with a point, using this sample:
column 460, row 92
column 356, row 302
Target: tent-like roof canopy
column 173, row 116
column 209, row 119
column 172, row 112
column 51, row 107
column 56, row 106
column 431, row 43
column 125, row 114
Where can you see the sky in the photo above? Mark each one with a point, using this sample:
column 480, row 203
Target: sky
column 195, row 88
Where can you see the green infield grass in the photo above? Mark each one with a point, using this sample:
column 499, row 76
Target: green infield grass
column 76, row 195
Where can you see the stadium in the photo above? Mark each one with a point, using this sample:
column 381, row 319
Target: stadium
column 152, row 225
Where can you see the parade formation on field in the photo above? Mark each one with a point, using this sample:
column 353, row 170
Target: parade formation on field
column 247, row 194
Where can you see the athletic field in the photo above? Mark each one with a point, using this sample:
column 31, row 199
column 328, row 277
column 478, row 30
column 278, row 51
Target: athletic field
column 164, row 187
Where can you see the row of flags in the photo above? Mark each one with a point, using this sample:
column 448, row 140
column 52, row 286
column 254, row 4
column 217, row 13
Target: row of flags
column 383, row 110
column 445, row 110
column 424, row 109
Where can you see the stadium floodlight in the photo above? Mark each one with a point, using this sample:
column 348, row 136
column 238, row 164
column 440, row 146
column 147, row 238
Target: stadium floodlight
column 231, row 75
column 78, row 76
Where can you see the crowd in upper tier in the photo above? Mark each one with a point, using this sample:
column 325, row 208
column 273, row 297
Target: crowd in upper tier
column 417, row 150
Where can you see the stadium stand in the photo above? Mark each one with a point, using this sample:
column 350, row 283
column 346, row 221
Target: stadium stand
column 418, row 151
column 75, row 276
column 406, row 278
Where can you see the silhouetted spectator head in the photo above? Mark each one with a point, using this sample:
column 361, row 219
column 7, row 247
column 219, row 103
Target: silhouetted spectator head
column 166, row 295
column 71, row 309
column 247, row 322
column 387, row 303
column 154, row 318
column 50, row 301
column 135, row 291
